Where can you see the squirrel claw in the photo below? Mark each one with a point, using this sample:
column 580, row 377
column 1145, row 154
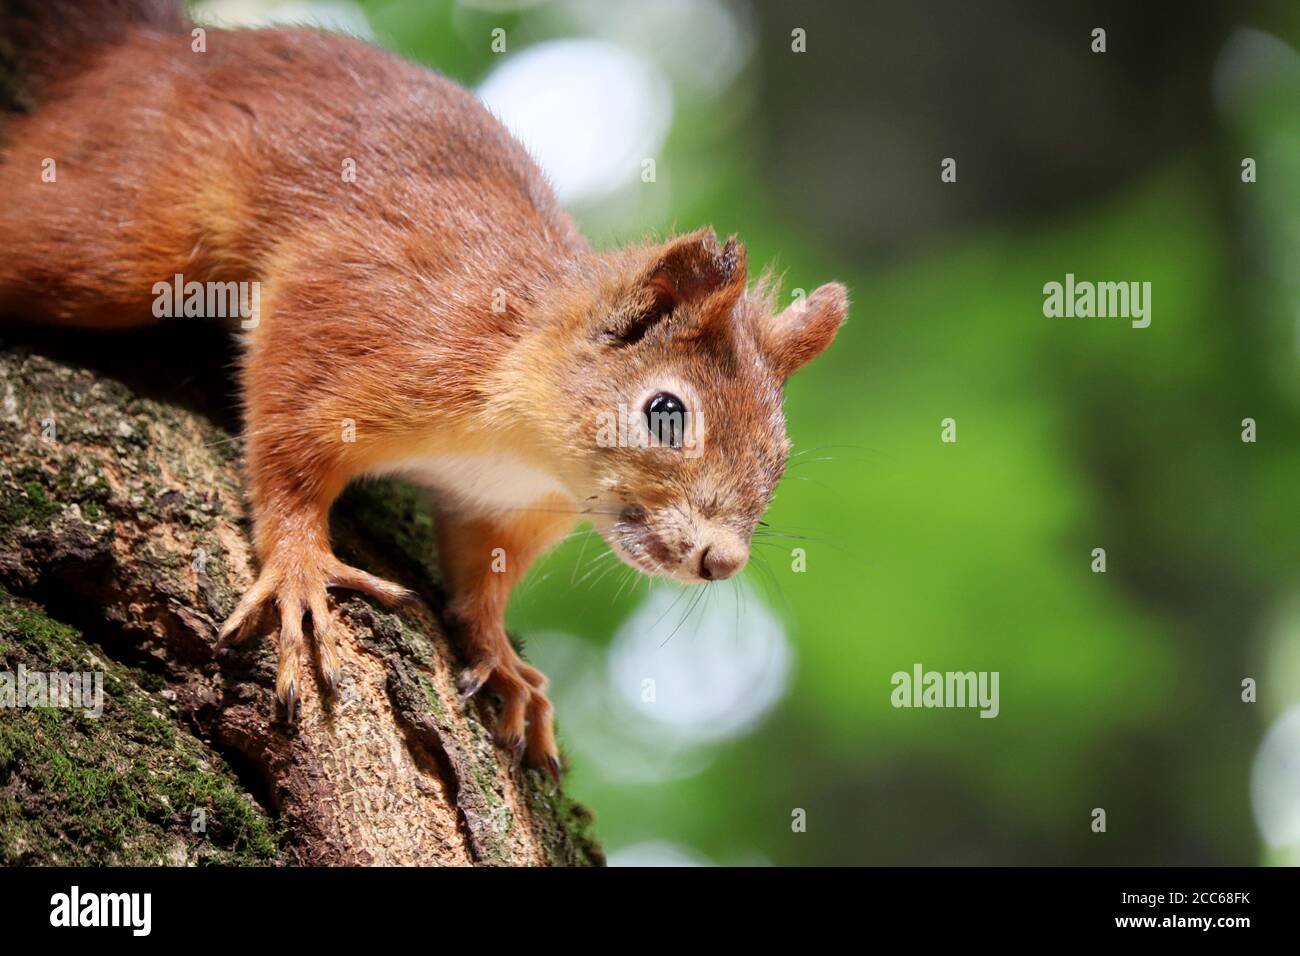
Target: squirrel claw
column 553, row 768
column 388, row 594
column 513, row 745
column 471, row 681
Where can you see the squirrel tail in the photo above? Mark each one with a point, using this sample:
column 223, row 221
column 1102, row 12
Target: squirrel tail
column 42, row 40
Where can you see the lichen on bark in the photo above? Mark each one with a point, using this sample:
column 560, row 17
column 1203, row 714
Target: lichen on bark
column 130, row 786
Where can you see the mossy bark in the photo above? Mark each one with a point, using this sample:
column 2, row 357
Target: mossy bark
column 123, row 545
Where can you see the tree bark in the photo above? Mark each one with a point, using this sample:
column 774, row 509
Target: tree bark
column 124, row 542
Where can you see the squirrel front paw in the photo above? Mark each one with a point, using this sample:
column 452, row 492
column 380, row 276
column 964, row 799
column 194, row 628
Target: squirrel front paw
column 297, row 583
column 526, row 726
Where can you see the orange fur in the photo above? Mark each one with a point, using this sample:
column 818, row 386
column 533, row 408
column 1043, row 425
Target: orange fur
column 380, row 314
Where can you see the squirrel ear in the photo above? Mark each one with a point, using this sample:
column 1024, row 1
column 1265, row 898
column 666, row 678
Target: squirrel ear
column 801, row 332
column 693, row 268
column 689, row 270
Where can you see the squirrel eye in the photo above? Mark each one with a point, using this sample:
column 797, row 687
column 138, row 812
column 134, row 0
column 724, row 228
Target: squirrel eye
column 665, row 417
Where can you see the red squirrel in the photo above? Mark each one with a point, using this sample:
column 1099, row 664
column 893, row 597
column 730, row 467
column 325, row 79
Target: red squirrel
column 439, row 300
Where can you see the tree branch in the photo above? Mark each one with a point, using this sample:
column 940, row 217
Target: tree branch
column 122, row 518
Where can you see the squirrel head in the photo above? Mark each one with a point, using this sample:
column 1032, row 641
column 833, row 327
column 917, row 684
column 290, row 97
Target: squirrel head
column 663, row 396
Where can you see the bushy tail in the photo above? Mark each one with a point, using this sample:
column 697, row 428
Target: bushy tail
column 41, row 40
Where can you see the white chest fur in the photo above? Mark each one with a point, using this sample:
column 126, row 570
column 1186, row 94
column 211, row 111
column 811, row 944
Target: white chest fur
column 482, row 482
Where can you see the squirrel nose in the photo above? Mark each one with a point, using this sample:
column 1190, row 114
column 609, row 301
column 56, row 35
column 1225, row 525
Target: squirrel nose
column 717, row 563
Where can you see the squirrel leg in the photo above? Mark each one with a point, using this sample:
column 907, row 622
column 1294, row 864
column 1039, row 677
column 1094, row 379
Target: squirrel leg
column 291, row 537
column 298, row 460
column 482, row 559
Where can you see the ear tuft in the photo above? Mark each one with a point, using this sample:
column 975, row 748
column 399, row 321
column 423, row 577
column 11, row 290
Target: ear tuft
column 692, row 270
column 801, row 332
column 694, row 267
